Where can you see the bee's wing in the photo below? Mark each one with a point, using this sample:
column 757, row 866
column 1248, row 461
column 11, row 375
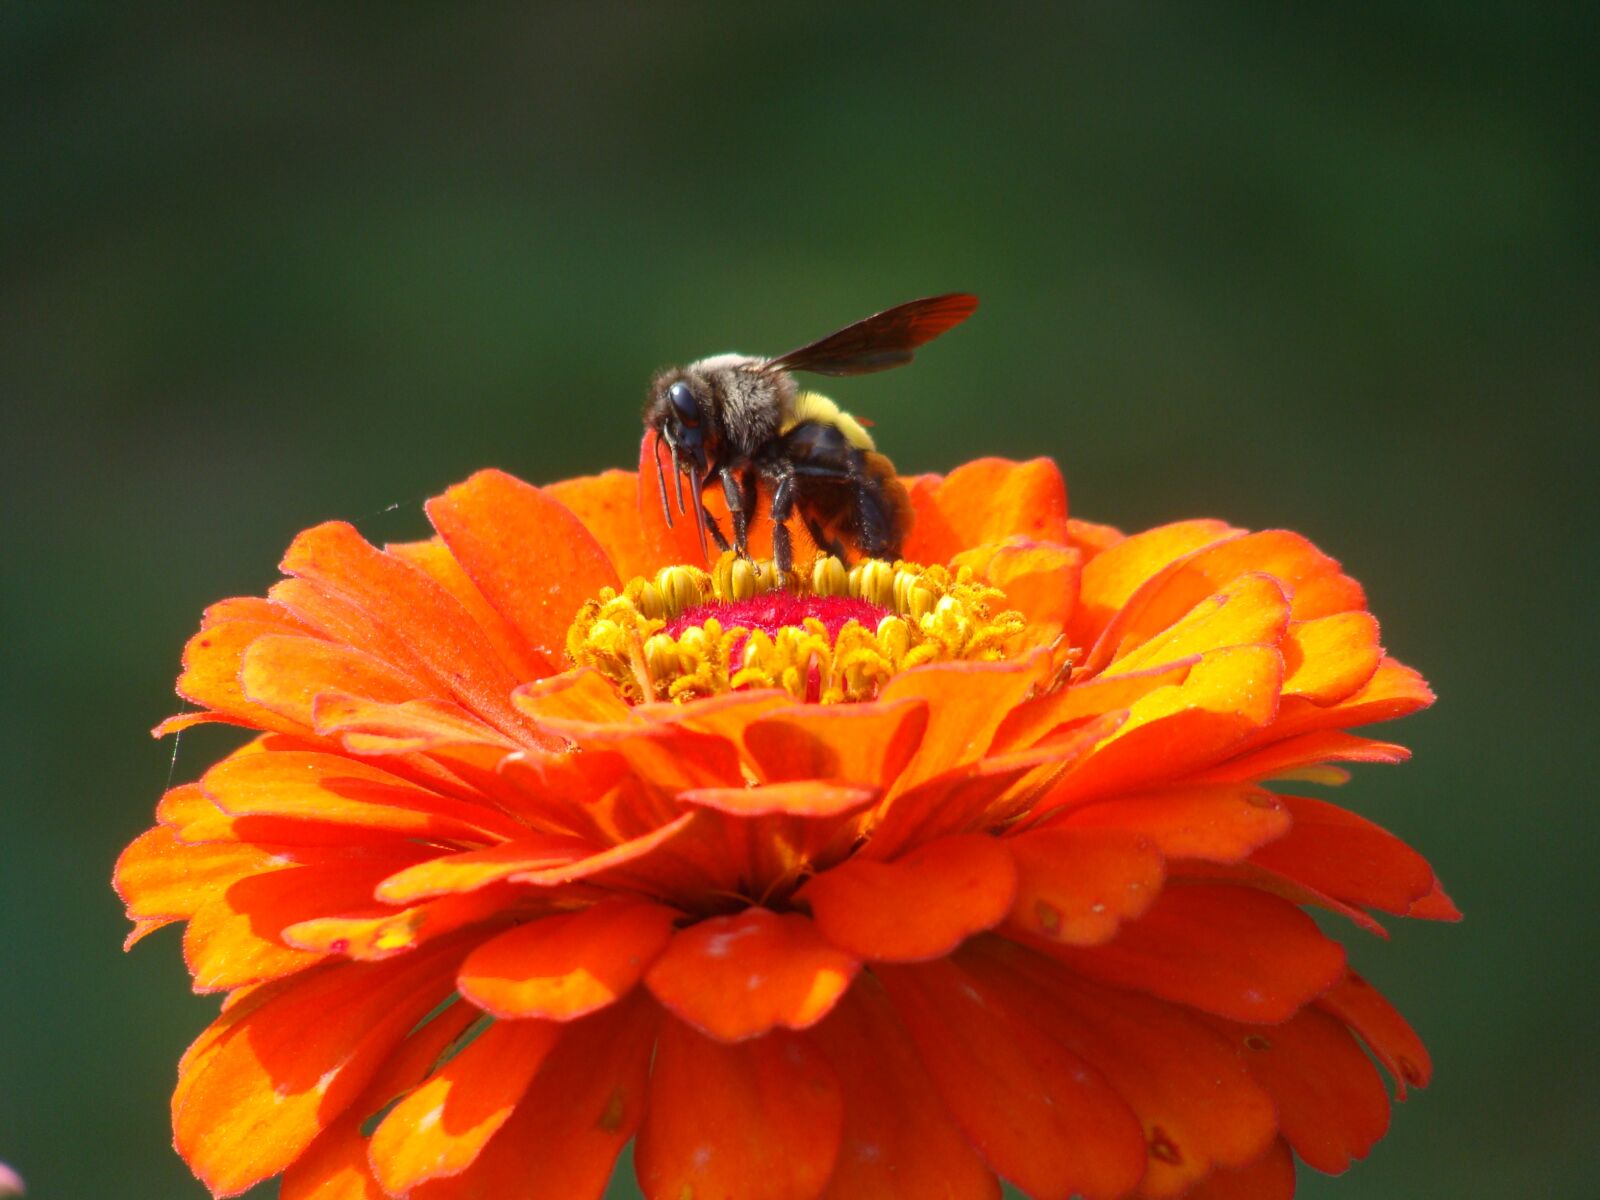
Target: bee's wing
column 881, row 341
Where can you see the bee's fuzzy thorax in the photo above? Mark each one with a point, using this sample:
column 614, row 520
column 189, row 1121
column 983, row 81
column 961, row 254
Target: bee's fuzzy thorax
column 750, row 402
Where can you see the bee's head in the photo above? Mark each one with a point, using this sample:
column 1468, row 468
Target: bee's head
column 681, row 411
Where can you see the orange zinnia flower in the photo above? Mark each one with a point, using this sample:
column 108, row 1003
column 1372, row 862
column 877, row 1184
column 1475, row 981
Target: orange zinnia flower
column 883, row 885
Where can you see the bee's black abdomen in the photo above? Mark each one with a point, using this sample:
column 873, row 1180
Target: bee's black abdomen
column 847, row 497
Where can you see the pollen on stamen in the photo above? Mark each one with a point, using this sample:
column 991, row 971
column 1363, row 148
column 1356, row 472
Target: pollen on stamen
column 829, row 634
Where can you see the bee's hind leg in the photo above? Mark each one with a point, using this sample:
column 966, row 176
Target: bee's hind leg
column 874, row 522
column 828, row 545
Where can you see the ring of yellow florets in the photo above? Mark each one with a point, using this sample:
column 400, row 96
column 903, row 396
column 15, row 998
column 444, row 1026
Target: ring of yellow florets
column 830, row 635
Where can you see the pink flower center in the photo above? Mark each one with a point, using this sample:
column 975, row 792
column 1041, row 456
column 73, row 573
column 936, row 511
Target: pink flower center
column 772, row 611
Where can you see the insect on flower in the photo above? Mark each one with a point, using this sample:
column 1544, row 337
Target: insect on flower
column 744, row 422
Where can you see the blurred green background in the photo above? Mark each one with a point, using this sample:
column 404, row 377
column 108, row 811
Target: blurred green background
column 1334, row 269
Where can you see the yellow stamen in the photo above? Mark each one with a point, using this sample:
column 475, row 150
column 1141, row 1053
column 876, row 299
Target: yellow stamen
column 919, row 615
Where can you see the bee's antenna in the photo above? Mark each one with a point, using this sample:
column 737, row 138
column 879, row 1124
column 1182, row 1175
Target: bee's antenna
column 661, row 482
column 699, row 512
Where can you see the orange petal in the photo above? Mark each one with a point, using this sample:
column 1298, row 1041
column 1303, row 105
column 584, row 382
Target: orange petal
column 255, row 608
column 1039, row 1115
column 1079, row 886
column 669, row 756
column 1214, row 822
column 440, row 1128
column 1332, row 1106
column 742, row 975
column 1388, row 1035
column 334, row 1166
column 1270, row 1177
column 1039, row 579
column 1251, row 609
column 864, row 744
column 730, row 714
column 433, row 558
column 1393, row 691
column 967, row 701
column 987, row 500
column 1310, row 578
column 563, row 790
column 437, row 633
column 237, row 912
column 577, row 1114
column 372, row 935
column 210, row 678
column 1038, row 718
column 161, row 878
column 1248, row 874
column 672, row 758
column 931, row 539
column 285, row 674
column 650, row 863
column 1198, row 1105
column 573, row 701
column 341, row 618
column 1316, row 585
column 187, row 806
column 526, row 552
column 1435, row 906
column 1091, row 539
column 1112, row 577
column 900, row 1142
column 920, row 906
column 1228, row 950
column 566, row 966
column 334, row 788
column 1282, row 759
column 798, row 798
column 759, row 1120
column 236, row 936
column 1351, row 859
column 367, row 727
column 1226, row 697
column 193, row 818
column 270, row 1074
column 608, row 506
column 223, row 951
column 980, row 793
column 1331, row 657
column 473, row 869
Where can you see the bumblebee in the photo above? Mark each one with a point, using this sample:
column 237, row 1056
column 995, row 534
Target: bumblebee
column 744, row 423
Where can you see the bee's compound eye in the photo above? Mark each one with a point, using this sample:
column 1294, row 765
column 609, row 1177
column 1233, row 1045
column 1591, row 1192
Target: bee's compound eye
column 684, row 403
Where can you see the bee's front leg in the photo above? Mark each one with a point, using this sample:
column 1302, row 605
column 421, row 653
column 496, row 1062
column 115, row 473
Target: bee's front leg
column 714, row 529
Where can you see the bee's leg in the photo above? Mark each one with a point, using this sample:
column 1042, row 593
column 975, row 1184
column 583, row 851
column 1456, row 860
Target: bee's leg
column 733, row 491
column 872, row 520
column 782, row 506
column 716, row 530
column 826, row 544
column 872, row 524
column 750, row 486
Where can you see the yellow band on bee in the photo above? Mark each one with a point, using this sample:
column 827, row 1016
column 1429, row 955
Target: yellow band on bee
column 814, row 406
